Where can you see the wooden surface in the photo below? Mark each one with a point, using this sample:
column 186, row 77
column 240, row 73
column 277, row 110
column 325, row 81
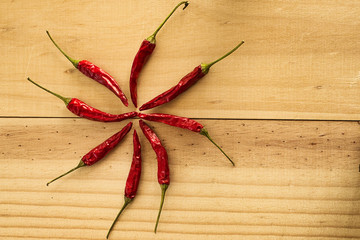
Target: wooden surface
column 294, row 179
column 300, row 60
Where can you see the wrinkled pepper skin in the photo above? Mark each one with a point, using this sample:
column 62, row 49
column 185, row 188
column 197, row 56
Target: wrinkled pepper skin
column 163, row 165
column 83, row 110
column 161, row 154
column 94, row 72
column 146, row 49
column 99, row 152
column 140, row 60
column 185, row 83
column 172, row 120
column 104, row 148
column 133, row 179
column 182, row 122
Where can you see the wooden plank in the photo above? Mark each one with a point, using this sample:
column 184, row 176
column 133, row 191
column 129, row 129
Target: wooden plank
column 292, row 180
column 300, row 59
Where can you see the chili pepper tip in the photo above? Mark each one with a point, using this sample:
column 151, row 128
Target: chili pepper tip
column 127, row 201
column 65, row 100
column 164, row 187
column 205, row 67
column 73, row 61
column 206, row 134
column 152, row 39
column 81, row 164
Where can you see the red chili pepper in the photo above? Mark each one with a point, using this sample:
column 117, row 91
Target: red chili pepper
column 133, row 179
column 99, row 152
column 182, row 122
column 162, row 159
column 186, row 82
column 92, row 71
column 146, row 49
column 83, row 110
column 140, row 59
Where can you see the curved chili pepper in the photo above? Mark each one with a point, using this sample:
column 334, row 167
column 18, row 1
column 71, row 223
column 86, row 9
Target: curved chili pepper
column 142, row 56
column 163, row 166
column 83, row 110
column 99, row 152
column 182, row 122
column 140, row 59
column 186, row 82
column 94, row 72
column 133, row 179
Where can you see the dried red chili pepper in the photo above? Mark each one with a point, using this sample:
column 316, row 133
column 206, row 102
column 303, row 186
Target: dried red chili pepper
column 94, row 72
column 186, row 82
column 145, row 51
column 133, row 179
column 99, row 152
column 182, row 122
column 83, row 110
column 163, row 166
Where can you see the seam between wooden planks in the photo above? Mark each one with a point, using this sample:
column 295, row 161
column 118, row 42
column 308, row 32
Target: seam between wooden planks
column 214, row 119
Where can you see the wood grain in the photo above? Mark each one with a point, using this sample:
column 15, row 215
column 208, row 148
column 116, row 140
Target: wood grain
column 300, row 60
column 292, row 180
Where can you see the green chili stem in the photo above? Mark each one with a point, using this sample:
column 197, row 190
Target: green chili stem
column 164, row 187
column 81, row 164
column 153, row 36
column 73, row 61
column 206, row 134
column 127, row 201
column 66, row 100
column 206, row 67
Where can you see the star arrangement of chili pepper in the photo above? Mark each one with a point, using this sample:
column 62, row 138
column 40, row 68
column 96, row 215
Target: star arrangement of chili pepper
column 83, row 110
